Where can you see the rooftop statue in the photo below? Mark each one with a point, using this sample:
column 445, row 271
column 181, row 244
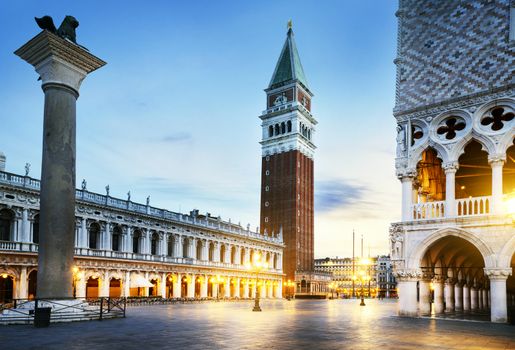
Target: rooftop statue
column 66, row 29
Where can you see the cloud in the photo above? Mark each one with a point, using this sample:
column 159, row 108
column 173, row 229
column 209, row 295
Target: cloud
column 337, row 194
column 177, row 137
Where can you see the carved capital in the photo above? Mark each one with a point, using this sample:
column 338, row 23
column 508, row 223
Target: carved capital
column 450, row 167
column 407, row 275
column 496, row 159
column 497, row 273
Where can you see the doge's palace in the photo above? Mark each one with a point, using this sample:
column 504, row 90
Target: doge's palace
column 454, row 249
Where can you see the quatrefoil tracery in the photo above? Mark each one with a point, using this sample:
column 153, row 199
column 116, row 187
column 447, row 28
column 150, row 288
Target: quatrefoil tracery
column 451, row 126
column 416, row 133
column 498, row 117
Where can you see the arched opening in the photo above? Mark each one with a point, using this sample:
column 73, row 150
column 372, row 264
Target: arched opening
column 6, row 288
column 233, row 255
column 198, row 282
column 455, row 282
column 251, row 256
column 186, row 247
column 270, row 131
column 92, row 285
column 94, row 235
column 115, row 288
column 6, row 223
column 508, row 171
column 170, row 244
column 169, row 286
column 222, row 253
column 117, row 234
column 233, row 287
column 303, row 286
column 275, row 261
column 288, row 125
column 242, row 288
column 33, row 284
column 210, row 287
column 429, row 187
column 242, row 256
column 35, row 229
column 184, row 287
column 309, row 134
column 136, row 238
column 276, row 129
column 152, row 291
column 211, row 252
column 199, row 250
column 154, row 243
column 283, row 128
column 474, row 176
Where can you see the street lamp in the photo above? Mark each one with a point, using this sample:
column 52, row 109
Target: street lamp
column 257, row 266
column 331, row 288
column 364, row 277
column 289, row 285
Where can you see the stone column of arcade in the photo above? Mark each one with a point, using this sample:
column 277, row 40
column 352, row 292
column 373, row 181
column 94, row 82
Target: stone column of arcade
column 62, row 66
column 498, row 303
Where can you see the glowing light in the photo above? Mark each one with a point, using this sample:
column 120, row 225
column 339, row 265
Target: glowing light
column 75, row 269
column 510, row 203
column 4, row 275
column 462, row 187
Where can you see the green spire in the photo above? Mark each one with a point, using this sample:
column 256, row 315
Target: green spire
column 288, row 66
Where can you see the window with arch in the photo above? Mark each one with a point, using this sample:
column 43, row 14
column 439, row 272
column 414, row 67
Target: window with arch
column 276, row 129
column 211, row 251
column 35, row 229
column 154, row 243
column 283, row 128
column 94, row 235
column 136, row 237
column 6, row 221
column 186, row 247
column 170, row 245
column 270, row 131
column 199, row 250
column 288, row 125
column 233, row 255
column 117, row 234
column 222, row 253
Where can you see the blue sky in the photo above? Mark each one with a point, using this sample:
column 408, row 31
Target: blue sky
column 174, row 113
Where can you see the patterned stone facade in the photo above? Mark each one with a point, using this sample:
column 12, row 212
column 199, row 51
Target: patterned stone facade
column 451, row 49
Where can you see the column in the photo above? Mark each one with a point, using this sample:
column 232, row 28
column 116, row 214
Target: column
column 473, row 298
column 237, row 287
column 204, row 250
column 216, row 253
column 162, row 286
column 107, row 237
column 245, row 289
column 450, row 189
column 83, row 242
column 227, row 287
column 127, row 284
column 485, row 298
column 498, row 305
column 253, row 290
column 458, row 296
column 438, row 285
column 61, row 66
column 191, row 286
column 104, row 287
column 177, row 286
column 496, row 163
column 192, row 248
column 407, row 296
column 449, row 295
column 407, row 192
column 146, row 241
column 270, row 291
column 214, row 289
column 424, row 304
column 177, row 246
column 279, row 261
column 279, row 291
column 23, row 291
column 466, row 297
column 237, row 256
column 25, row 232
column 203, row 285
column 480, row 298
column 145, row 289
column 80, row 291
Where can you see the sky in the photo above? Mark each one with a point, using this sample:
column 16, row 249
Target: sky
column 174, row 113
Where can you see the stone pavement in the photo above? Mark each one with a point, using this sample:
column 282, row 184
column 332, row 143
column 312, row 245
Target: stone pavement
column 302, row 324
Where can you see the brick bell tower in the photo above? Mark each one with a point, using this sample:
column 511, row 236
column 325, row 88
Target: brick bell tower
column 287, row 162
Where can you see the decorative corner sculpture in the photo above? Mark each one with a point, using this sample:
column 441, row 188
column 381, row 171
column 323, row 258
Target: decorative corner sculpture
column 66, row 30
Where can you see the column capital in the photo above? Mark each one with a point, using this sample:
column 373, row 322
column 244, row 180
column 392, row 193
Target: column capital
column 450, row 167
column 497, row 273
column 406, row 174
column 59, row 61
column 496, row 159
column 408, row 275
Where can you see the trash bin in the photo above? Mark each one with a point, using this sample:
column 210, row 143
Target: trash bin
column 42, row 317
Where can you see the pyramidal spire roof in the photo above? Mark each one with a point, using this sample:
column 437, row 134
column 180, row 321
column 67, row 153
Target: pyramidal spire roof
column 288, row 66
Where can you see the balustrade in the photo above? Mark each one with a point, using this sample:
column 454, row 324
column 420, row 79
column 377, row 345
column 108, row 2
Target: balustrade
column 472, row 206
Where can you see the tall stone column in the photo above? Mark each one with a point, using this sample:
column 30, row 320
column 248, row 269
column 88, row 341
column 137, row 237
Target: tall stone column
column 473, row 298
column 62, row 66
column 227, row 287
column 449, row 295
column 407, row 284
column 127, row 284
column 162, row 289
column 424, row 304
column 498, row 303
column 438, row 284
column 177, row 286
column 407, row 192
column 191, row 286
column 23, row 290
column 450, row 189
column 203, row 286
column 466, row 297
column 458, row 296
column 497, row 163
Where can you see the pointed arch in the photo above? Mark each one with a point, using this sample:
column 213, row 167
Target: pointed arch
column 459, row 148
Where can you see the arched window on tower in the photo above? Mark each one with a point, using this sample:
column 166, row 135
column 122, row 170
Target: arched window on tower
column 288, row 125
column 309, row 134
column 283, row 127
column 276, row 129
column 270, row 131
column 6, row 220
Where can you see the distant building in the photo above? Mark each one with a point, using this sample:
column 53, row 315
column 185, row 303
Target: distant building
column 381, row 283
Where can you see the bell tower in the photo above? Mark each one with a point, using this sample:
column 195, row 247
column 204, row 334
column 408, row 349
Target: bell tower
column 287, row 161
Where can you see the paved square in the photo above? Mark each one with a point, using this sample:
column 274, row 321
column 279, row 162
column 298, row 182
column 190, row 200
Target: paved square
column 302, row 324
